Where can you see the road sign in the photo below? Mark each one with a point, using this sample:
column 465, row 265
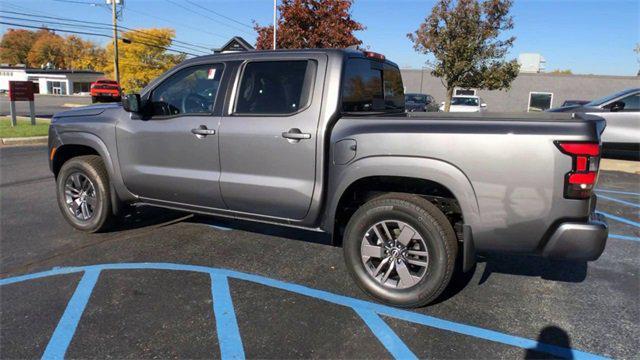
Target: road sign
column 21, row 91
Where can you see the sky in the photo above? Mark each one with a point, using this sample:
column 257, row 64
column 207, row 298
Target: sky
column 584, row 36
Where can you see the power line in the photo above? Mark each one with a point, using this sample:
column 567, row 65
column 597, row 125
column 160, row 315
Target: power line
column 94, row 34
column 109, row 27
column 141, row 33
column 217, row 13
column 206, row 16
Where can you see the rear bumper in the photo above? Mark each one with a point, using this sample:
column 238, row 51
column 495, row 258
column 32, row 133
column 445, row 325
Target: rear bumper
column 582, row 241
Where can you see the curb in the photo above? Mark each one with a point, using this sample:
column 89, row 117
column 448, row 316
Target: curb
column 32, row 140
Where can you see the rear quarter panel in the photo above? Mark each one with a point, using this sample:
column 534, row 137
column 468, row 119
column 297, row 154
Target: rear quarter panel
column 507, row 175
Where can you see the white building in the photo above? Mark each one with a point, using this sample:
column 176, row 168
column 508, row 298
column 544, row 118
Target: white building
column 50, row 81
column 531, row 63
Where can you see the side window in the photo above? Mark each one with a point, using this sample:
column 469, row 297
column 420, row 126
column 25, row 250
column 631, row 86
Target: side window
column 275, row 87
column 369, row 85
column 189, row 91
column 631, row 103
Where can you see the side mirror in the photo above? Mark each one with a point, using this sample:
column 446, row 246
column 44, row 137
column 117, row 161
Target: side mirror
column 131, row 103
column 483, row 105
column 616, row 106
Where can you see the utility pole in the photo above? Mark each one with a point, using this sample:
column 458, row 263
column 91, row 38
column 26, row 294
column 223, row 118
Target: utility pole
column 275, row 11
column 116, row 67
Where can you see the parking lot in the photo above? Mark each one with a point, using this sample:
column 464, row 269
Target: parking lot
column 168, row 284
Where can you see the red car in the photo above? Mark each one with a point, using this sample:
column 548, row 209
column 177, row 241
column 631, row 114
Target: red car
column 105, row 90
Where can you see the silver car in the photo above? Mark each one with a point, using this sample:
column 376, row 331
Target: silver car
column 622, row 112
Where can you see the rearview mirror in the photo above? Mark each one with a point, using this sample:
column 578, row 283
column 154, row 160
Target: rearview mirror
column 131, row 103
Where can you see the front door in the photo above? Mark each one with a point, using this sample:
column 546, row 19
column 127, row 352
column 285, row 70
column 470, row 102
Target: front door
column 268, row 138
column 171, row 154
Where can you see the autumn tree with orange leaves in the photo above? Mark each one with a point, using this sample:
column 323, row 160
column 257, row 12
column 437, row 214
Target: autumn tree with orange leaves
column 311, row 24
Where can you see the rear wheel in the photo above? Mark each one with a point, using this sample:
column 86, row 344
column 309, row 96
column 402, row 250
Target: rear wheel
column 94, row 99
column 401, row 249
column 83, row 193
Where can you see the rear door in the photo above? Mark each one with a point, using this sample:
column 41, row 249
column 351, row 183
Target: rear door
column 171, row 154
column 268, row 137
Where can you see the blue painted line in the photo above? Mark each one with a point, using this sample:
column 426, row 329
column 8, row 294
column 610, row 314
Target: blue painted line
column 619, row 219
column 629, row 203
column 386, row 335
column 226, row 322
column 624, row 237
column 62, row 335
column 618, row 192
column 355, row 304
column 218, row 227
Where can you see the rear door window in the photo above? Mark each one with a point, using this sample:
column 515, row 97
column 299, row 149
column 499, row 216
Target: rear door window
column 275, row 87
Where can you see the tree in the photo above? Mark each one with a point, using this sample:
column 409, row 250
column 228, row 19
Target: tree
column 49, row 47
column 143, row 56
column 464, row 40
column 311, row 24
column 561, row 72
column 82, row 54
column 15, row 46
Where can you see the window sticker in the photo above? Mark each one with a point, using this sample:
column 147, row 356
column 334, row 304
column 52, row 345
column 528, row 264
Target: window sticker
column 211, row 74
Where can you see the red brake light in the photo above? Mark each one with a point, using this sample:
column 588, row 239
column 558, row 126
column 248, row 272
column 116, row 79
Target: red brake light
column 580, row 181
column 373, row 55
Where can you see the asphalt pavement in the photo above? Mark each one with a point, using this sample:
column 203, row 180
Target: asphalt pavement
column 169, row 284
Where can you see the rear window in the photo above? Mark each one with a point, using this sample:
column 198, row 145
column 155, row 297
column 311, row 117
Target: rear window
column 371, row 86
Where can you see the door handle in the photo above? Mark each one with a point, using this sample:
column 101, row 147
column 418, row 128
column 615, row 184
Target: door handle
column 202, row 131
column 295, row 134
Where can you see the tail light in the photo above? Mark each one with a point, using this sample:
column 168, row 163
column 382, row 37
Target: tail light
column 373, row 55
column 580, row 181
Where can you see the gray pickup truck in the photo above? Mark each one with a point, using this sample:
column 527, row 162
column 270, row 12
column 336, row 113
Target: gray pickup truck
column 318, row 139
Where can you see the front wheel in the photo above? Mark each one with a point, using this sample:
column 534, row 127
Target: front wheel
column 84, row 194
column 401, row 249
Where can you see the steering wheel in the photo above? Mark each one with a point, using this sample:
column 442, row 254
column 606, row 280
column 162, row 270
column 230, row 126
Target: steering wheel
column 194, row 103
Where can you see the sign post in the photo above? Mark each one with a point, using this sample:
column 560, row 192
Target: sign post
column 21, row 91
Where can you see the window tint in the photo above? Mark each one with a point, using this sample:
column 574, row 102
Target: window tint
column 275, row 87
column 371, row 86
column 465, row 101
column 631, row 103
column 540, row 102
column 189, row 91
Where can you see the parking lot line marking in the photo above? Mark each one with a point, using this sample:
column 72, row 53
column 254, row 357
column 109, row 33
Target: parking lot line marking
column 385, row 334
column 624, row 237
column 618, row 192
column 62, row 335
column 353, row 303
column 618, row 201
column 218, row 227
column 226, row 322
column 619, row 219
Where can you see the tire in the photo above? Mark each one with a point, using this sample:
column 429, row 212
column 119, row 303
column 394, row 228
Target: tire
column 94, row 99
column 431, row 231
column 97, row 193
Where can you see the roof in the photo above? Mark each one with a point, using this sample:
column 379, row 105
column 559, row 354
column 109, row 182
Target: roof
column 49, row 71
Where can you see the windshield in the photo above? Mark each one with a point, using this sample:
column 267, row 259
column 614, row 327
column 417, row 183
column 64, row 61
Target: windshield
column 606, row 99
column 416, row 98
column 464, row 101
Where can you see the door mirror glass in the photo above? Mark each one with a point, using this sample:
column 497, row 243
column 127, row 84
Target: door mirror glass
column 131, row 103
column 616, row 106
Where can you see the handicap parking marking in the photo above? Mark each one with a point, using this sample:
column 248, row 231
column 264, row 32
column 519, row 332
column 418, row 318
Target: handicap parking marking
column 618, row 192
column 620, row 201
column 227, row 329
column 624, row 237
column 619, row 218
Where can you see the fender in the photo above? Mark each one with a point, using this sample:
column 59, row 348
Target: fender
column 449, row 176
column 119, row 191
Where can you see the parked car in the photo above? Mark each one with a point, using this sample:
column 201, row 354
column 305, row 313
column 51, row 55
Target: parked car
column 105, row 90
column 574, row 102
column 466, row 103
column 419, row 102
column 621, row 138
column 307, row 139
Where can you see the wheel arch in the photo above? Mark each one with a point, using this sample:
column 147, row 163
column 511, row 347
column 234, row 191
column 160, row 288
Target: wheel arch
column 421, row 176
